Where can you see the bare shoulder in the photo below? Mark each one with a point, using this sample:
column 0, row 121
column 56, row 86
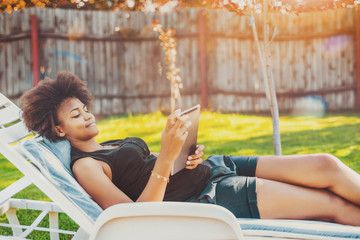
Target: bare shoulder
column 86, row 164
column 89, row 166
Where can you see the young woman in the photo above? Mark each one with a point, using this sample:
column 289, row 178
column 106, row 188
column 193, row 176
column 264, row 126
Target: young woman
column 316, row 186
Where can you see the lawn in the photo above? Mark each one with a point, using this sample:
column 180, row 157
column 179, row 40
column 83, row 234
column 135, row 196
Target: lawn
column 338, row 134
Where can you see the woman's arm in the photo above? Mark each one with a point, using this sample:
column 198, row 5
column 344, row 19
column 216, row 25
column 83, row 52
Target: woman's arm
column 172, row 140
column 91, row 176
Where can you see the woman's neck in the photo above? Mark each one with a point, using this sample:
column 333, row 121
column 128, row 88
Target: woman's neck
column 86, row 145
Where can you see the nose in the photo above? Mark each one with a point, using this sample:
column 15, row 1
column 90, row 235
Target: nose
column 88, row 116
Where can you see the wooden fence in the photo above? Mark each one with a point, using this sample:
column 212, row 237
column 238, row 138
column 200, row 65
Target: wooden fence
column 119, row 56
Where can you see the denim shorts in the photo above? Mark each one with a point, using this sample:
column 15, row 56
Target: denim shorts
column 232, row 185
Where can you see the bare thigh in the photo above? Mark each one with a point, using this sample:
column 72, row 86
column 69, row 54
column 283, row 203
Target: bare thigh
column 315, row 170
column 282, row 200
column 305, row 170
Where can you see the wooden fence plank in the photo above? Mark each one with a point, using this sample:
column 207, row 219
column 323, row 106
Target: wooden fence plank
column 9, row 67
column 2, row 24
column 3, row 72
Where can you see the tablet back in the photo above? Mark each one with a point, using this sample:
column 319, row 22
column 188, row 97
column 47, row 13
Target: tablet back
column 189, row 146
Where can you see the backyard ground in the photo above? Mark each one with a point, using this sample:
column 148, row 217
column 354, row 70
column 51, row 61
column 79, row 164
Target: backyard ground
column 338, row 134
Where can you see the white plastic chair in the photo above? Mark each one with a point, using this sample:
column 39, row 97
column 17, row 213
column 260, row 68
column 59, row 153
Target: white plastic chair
column 13, row 131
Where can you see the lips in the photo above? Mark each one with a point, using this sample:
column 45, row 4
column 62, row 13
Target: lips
column 91, row 124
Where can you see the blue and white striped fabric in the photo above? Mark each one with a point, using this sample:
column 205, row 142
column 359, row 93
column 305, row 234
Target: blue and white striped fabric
column 53, row 160
column 297, row 229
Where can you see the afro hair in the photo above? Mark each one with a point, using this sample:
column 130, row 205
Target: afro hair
column 41, row 103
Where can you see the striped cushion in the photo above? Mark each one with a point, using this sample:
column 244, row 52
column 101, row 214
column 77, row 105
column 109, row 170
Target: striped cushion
column 297, row 229
column 53, row 169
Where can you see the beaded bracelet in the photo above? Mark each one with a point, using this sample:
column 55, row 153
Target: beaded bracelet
column 159, row 176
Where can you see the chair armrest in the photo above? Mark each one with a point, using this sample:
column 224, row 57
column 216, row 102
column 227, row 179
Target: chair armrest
column 166, row 220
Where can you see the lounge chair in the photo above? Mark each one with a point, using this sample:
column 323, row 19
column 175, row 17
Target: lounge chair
column 46, row 165
column 39, row 160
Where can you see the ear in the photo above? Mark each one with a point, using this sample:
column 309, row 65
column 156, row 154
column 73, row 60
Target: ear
column 59, row 132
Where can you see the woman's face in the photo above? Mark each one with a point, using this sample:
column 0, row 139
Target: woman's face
column 75, row 122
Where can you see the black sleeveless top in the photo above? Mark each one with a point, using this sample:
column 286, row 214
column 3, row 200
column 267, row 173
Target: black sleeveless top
column 131, row 164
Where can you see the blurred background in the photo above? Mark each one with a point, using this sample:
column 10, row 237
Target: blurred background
column 116, row 51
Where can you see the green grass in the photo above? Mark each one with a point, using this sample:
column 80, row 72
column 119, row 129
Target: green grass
column 338, row 134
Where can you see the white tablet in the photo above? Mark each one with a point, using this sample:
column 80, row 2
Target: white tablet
column 189, row 146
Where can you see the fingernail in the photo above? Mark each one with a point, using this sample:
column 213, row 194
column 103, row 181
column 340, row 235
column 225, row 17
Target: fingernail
column 189, row 157
column 187, row 162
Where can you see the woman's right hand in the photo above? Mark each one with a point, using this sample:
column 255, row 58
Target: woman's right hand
column 174, row 136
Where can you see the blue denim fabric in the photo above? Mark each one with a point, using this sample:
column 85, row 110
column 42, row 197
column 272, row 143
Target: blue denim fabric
column 53, row 160
column 232, row 185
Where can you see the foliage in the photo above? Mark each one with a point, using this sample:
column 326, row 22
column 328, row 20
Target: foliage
column 284, row 6
column 168, row 42
column 10, row 5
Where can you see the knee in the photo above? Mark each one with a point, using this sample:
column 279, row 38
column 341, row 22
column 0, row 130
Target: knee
column 327, row 163
column 328, row 166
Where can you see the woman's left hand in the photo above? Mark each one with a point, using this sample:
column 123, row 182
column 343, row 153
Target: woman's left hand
column 195, row 159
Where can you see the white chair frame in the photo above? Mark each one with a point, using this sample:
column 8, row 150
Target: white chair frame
column 12, row 131
column 152, row 220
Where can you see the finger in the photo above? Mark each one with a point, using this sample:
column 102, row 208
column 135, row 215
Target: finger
column 194, row 161
column 199, row 148
column 184, row 136
column 175, row 113
column 180, row 121
column 172, row 118
column 191, row 166
column 195, row 156
column 186, row 125
column 180, row 130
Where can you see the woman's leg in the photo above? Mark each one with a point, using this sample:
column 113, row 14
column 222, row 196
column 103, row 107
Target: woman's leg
column 282, row 200
column 316, row 171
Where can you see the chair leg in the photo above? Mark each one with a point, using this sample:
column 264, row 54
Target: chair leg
column 54, row 224
column 13, row 220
